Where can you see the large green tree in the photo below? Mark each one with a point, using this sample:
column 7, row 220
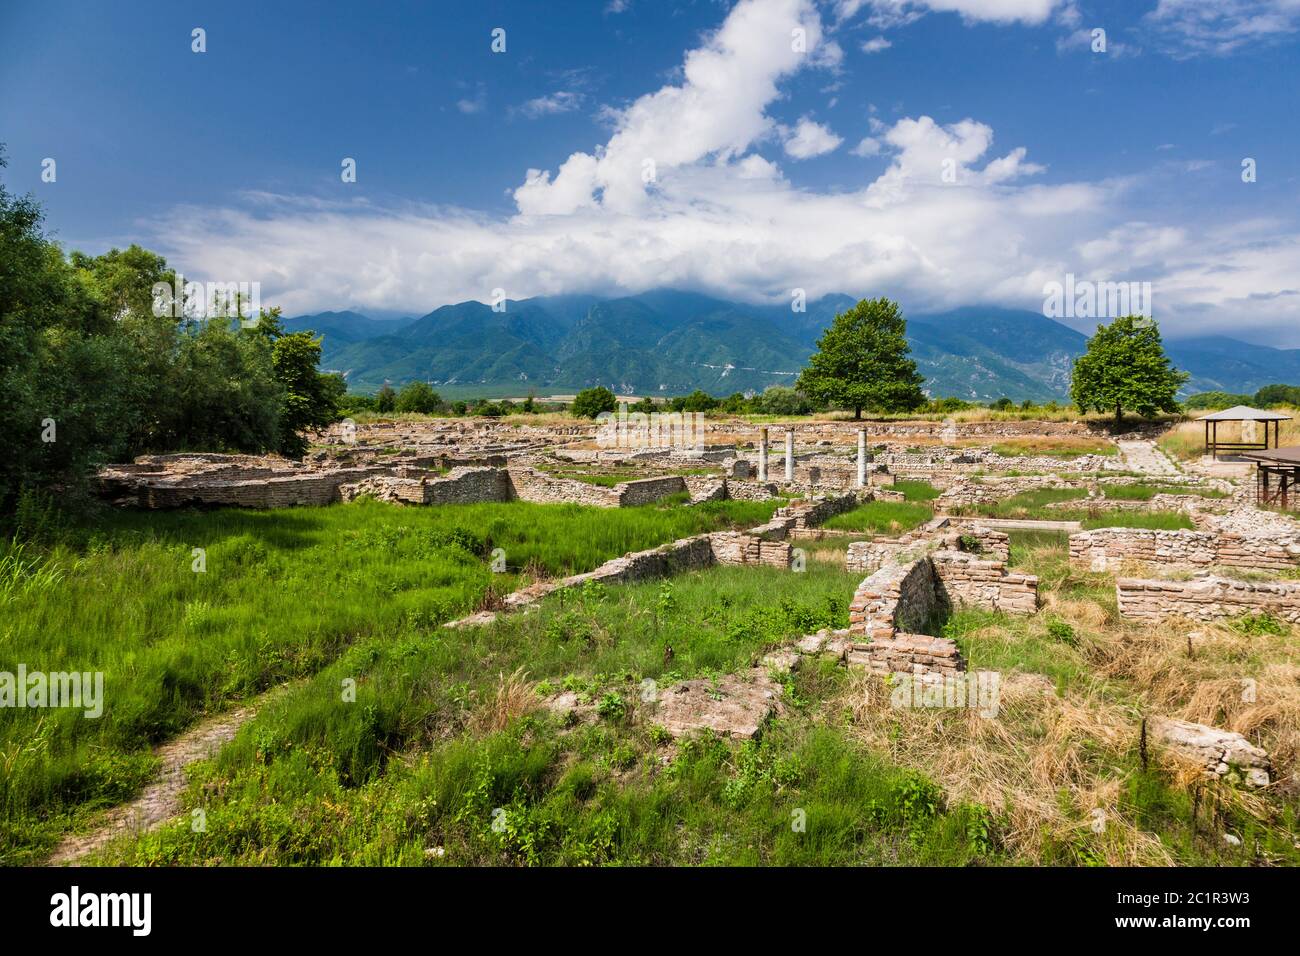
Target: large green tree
column 90, row 372
column 1126, row 367
column 862, row 362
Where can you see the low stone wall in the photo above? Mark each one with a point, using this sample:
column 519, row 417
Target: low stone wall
column 646, row 491
column 281, row 491
column 705, row 488
column 986, row 542
column 1107, row 548
column 869, row 556
column 1206, row 599
column 973, row 581
column 808, row 514
column 529, row 484
column 898, row 597
column 992, row 490
column 905, row 653
column 740, row 547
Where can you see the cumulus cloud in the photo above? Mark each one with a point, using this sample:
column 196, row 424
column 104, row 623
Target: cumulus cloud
column 876, row 45
column 809, row 139
column 952, row 220
column 718, row 110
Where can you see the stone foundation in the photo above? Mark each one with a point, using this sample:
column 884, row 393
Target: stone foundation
column 1107, row 548
column 1206, row 599
column 905, row 653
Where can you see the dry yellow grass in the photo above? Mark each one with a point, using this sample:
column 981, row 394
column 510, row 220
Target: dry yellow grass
column 1053, row 756
column 515, row 696
column 1187, row 439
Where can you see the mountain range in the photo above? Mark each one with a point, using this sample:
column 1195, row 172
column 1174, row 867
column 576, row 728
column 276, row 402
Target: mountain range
column 669, row 342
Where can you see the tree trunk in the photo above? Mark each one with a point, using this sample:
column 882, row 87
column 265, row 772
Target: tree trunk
column 1119, row 416
column 857, row 413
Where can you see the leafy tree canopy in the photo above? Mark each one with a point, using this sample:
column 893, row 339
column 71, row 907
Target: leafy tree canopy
column 590, row 402
column 1125, row 367
column 862, row 362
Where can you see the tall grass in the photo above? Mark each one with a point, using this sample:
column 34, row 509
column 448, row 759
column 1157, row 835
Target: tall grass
column 882, row 517
column 1186, row 441
column 280, row 595
column 303, row 783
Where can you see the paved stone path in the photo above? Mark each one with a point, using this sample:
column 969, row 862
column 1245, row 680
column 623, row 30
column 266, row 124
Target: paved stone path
column 1145, row 457
column 160, row 799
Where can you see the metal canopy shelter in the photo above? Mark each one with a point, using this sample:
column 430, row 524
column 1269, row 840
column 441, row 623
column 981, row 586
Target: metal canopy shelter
column 1277, row 476
column 1241, row 413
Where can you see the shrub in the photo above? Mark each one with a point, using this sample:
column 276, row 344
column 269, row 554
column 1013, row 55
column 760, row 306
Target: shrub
column 590, row 402
column 418, row 397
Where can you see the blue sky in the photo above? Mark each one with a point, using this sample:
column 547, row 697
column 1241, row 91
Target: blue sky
column 525, row 170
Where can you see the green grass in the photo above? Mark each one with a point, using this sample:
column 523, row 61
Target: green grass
column 1145, row 492
column 314, row 781
column 1027, row 504
column 284, row 594
column 882, row 517
column 917, row 490
column 1156, row 520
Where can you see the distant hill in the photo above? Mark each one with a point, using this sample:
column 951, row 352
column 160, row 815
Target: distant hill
column 669, row 342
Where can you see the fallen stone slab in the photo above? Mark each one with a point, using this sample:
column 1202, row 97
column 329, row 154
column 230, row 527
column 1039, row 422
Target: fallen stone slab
column 1222, row 753
column 737, row 705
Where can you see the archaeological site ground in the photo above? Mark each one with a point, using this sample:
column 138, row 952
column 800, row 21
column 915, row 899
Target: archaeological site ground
column 442, row 641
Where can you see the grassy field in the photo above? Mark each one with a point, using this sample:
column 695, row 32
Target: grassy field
column 882, row 517
column 447, row 756
column 1139, row 491
column 1032, row 505
column 282, row 594
column 466, row 744
column 1186, row 441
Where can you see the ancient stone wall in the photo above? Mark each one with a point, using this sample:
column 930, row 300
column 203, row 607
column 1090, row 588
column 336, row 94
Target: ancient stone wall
column 970, row 580
column 905, row 653
column 741, row 547
column 1107, row 548
column 1207, row 599
column 898, row 597
column 645, row 491
column 529, row 484
column 808, row 514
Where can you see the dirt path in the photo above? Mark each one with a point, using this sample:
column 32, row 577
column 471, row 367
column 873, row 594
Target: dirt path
column 1145, row 457
column 160, row 799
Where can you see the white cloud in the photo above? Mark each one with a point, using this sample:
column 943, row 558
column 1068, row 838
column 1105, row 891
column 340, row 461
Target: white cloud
column 719, row 216
column 718, row 110
column 1221, row 27
column 562, row 101
column 809, row 139
column 867, row 146
column 876, row 45
column 473, row 104
column 892, row 12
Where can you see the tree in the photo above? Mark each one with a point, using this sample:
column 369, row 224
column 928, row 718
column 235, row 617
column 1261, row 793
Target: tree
column 590, row 402
column 782, row 400
column 310, row 399
column 699, row 401
column 386, row 399
column 1276, row 395
column 1125, row 366
column 418, row 397
column 862, row 362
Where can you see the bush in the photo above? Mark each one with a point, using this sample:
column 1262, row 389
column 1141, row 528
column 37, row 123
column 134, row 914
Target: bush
column 590, row 402
column 386, row 399
column 418, row 397
column 781, row 400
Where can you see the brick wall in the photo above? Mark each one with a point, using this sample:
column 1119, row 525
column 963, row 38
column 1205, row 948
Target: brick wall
column 1207, row 599
column 1107, row 548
